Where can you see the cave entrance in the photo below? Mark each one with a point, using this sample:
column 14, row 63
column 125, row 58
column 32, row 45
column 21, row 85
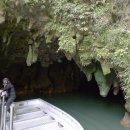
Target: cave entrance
column 61, row 77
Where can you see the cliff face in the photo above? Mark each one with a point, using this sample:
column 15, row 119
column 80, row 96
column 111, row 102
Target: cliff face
column 95, row 34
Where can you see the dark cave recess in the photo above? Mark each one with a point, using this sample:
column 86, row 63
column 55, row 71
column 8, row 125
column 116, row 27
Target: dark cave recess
column 60, row 77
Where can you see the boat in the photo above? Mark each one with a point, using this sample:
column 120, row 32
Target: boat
column 38, row 114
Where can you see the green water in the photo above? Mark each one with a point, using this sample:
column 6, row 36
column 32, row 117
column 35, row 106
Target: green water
column 93, row 112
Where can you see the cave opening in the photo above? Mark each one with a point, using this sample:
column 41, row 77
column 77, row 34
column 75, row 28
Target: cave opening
column 60, row 77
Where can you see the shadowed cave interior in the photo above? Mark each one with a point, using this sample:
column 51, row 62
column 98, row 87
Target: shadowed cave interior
column 58, row 78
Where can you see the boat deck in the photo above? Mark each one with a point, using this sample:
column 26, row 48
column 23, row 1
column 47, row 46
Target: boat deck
column 34, row 118
column 40, row 115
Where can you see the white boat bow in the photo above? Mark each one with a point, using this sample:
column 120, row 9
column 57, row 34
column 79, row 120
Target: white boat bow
column 38, row 114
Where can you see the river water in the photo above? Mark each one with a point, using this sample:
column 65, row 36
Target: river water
column 92, row 111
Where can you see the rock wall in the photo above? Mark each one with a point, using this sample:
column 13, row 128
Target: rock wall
column 86, row 31
column 37, row 80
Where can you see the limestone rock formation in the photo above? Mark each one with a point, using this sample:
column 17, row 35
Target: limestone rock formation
column 88, row 32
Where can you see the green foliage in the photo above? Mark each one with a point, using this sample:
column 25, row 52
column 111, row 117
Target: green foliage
column 68, row 45
column 87, row 31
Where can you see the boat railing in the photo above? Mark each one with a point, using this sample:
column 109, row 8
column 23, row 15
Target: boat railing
column 3, row 117
column 11, row 116
column 2, row 112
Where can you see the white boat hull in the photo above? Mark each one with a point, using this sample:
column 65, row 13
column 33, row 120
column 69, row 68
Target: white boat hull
column 38, row 114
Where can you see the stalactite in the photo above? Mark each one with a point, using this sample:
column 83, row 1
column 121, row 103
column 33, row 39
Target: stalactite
column 30, row 56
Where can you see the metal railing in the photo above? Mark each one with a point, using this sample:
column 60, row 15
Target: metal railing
column 5, row 116
column 2, row 113
column 3, row 119
column 11, row 117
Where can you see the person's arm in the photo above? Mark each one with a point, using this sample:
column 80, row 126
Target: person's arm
column 6, row 87
column 1, row 91
column 4, row 93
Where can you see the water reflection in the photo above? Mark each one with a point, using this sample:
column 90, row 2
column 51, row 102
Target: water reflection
column 92, row 111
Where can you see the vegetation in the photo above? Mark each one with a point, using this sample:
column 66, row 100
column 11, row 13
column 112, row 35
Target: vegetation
column 88, row 31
